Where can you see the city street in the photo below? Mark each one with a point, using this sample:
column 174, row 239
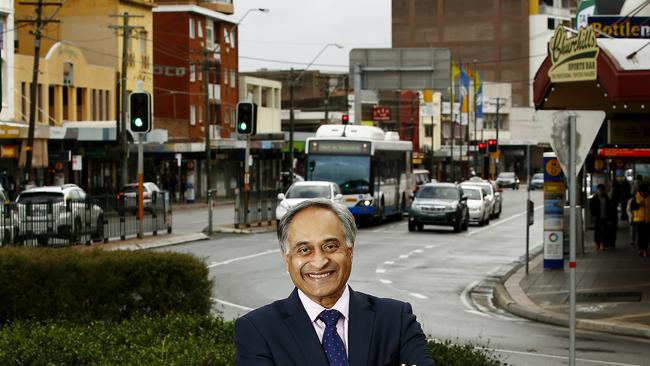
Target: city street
column 434, row 270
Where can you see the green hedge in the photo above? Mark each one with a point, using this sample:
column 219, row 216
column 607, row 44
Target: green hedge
column 42, row 283
column 163, row 340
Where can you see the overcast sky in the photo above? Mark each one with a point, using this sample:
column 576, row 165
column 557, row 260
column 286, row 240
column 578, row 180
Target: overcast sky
column 296, row 30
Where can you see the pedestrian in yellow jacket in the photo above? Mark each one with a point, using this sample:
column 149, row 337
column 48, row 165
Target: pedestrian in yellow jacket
column 641, row 209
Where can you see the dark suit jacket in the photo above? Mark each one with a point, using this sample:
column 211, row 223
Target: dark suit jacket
column 380, row 332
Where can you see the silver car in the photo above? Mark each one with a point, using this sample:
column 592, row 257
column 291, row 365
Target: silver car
column 301, row 191
column 57, row 211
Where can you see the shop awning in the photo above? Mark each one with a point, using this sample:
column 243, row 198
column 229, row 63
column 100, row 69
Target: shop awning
column 622, row 85
column 85, row 131
column 623, row 152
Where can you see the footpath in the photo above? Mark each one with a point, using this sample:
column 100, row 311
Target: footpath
column 164, row 240
column 612, row 289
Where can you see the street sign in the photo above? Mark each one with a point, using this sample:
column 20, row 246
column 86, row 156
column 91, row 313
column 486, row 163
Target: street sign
column 555, row 124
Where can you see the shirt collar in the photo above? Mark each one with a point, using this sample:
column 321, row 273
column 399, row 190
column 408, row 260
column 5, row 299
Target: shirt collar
column 314, row 309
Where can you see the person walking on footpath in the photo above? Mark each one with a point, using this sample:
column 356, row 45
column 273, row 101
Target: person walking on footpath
column 600, row 209
column 641, row 209
column 630, row 219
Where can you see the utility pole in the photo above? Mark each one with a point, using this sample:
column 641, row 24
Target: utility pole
column 33, row 89
column 126, row 33
column 206, row 85
column 292, row 82
column 475, row 119
column 453, row 127
column 327, row 100
column 496, row 163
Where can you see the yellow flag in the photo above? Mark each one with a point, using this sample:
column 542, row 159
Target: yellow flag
column 455, row 70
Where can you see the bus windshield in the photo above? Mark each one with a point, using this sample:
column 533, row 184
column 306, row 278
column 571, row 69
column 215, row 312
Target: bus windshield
column 351, row 173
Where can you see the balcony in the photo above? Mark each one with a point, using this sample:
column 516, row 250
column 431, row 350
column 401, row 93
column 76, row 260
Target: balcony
column 222, row 6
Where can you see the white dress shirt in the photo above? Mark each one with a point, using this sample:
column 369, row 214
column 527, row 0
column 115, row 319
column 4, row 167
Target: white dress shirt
column 313, row 311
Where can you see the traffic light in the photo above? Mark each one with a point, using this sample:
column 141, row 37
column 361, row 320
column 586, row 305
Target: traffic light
column 492, row 146
column 246, row 118
column 345, row 119
column 140, row 112
column 482, row 146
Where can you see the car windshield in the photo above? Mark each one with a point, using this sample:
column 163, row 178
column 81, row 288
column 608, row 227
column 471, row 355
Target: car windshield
column 487, row 187
column 539, row 176
column 40, row 197
column 448, row 193
column 472, row 194
column 351, row 173
column 506, row 176
column 304, row 191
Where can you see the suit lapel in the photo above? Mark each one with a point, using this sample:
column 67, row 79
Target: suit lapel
column 303, row 332
column 359, row 329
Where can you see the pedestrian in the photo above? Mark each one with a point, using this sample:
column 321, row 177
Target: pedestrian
column 630, row 218
column 324, row 321
column 637, row 182
column 641, row 209
column 600, row 209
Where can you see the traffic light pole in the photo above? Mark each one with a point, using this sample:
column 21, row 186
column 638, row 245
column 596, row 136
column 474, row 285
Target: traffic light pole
column 140, row 186
column 247, row 155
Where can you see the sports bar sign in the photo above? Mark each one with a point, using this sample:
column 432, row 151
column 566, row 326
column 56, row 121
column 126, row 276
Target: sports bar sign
column 380, row 113
column 574, row 58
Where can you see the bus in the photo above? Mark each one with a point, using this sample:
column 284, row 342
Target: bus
column 372, row 168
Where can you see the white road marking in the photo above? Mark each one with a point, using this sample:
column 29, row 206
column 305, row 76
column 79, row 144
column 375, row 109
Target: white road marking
column 430, row 246
column 418, row 251
column 389, row 262
column 476, row 312
column 216, row 264
column 378, row 230
column 385, row 281
column 500, row 222
column 231, row 304
column 403, row 256
column 380, row 270
column 419, row 296
column 536, row 354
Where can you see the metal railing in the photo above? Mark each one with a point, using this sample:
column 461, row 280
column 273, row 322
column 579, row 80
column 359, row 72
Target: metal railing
column 92, row 219
column 260, row 208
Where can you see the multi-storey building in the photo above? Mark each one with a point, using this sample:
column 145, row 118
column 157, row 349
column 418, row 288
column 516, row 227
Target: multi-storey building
column 77, row 101
column 8, row 141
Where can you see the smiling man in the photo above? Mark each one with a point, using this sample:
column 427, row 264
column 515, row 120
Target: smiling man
column 324, row 322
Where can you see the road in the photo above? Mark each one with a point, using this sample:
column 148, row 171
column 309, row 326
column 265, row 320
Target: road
column 434, row 270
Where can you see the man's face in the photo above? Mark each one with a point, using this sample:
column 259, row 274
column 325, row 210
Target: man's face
column 318, row 259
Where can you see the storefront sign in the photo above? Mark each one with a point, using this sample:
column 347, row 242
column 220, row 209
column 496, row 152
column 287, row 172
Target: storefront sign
column 9, row 132
column 620, row 27
column 8, row 151
column 380, row 113
column 573, row 59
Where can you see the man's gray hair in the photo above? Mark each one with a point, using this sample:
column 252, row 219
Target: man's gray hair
column 342, row 212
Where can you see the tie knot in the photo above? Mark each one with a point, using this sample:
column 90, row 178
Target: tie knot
column 330, row 317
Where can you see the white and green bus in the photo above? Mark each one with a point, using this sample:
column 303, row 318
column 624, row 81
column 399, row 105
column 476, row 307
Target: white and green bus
column 372, row 168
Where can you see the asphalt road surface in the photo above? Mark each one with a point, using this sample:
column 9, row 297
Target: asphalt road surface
column 435, row 271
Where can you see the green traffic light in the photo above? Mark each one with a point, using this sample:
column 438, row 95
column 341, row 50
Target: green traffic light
column 242, row 126
column 138, row 122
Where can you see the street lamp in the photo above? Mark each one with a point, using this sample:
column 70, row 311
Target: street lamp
column 263, row 10
column 292, row 83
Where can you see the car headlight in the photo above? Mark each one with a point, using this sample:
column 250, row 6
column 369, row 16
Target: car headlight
column 365, row 202
column 451, row 208
column 416, row 206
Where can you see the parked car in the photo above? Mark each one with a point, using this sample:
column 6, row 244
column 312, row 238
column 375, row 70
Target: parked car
column 494, row 194
column 537, row 182
column 57, row 211
column 301, row 191
column 130, row 195
column 439, row 204
column 508, row 179
column 478, row 204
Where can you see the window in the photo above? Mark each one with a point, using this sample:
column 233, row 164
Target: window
column 225, row 77
column 232, row 38
column 107, row 116
column 192, row 115
column 93, row 106
column 192, row 72
column 199, row 29
column 191, row 28
column 143, row 43
column 199, row 116
column 232, row 118
column 233, row 78
column 200, row 72
column 101, row 105
column 226, row 119
column 209, row 34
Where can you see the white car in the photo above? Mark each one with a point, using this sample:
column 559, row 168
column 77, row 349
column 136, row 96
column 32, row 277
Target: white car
column 493, row 193
column 301, row 191
column 478, row 204
column 57, row 211
column 130, row 193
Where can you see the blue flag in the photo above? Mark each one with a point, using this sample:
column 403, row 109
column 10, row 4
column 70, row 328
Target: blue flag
column 464, row 89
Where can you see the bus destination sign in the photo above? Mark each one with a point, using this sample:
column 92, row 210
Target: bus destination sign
column 339, row 147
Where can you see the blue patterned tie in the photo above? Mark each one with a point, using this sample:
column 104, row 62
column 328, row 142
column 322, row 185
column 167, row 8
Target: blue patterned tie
column 332, row 343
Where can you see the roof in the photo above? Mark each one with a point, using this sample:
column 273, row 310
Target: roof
column 49, row 189
column 313, row 183
column 194, row 9
column 439, row 184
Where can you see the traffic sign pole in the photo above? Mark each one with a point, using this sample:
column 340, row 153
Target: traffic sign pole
column 572, row 240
